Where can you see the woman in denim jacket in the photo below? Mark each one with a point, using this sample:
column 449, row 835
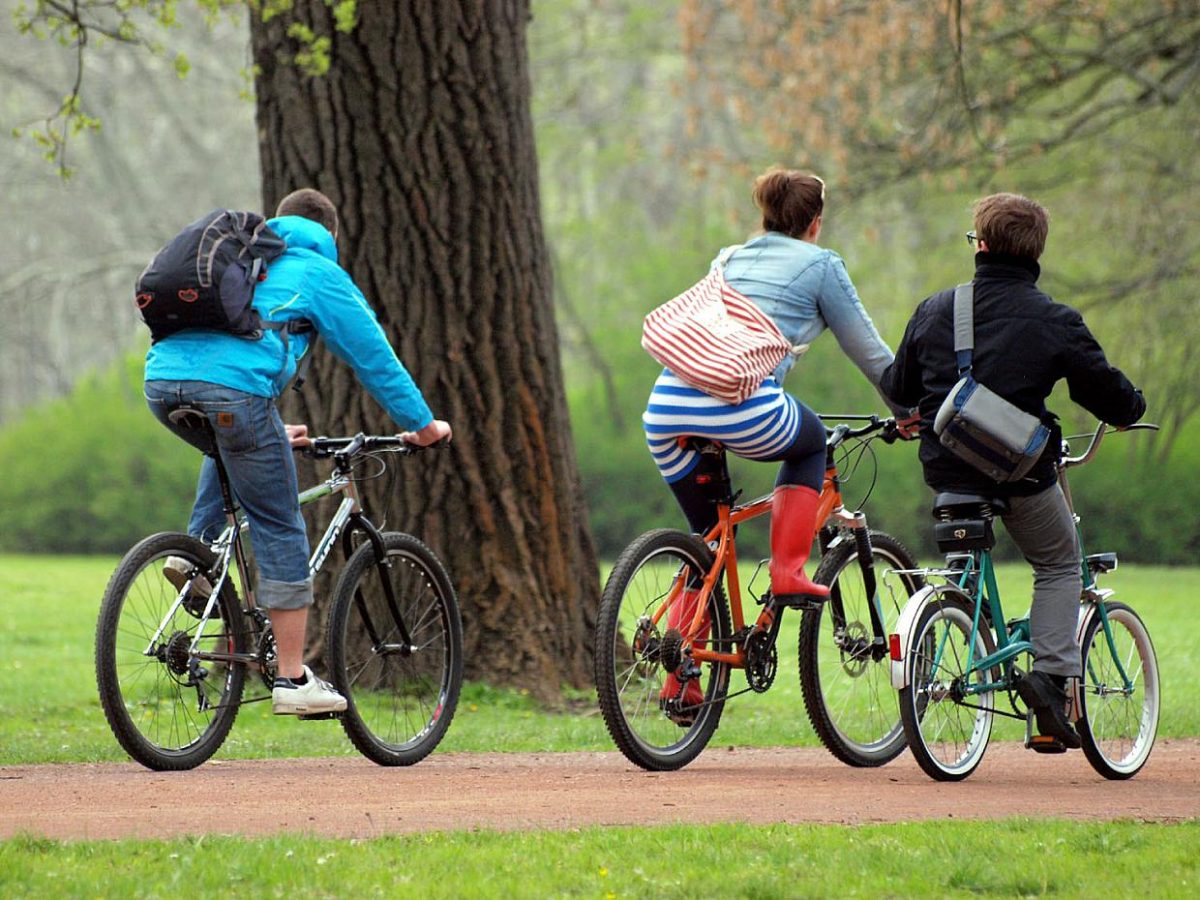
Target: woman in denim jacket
column 805, row 289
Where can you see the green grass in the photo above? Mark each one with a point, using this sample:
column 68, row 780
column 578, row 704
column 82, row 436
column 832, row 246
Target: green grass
column 49, row 711
column 1070, row 859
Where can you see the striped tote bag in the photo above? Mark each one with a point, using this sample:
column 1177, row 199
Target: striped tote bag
column 715, row 339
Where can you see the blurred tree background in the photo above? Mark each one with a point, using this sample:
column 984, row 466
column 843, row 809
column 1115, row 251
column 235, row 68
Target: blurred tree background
column 651, row 120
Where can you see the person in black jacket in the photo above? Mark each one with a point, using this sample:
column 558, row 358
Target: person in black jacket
column 1024, row 344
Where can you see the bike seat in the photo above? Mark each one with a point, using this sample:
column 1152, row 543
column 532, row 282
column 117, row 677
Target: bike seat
column 965, row 521
column 701, row 445
column 189, row 417
column 956, row 505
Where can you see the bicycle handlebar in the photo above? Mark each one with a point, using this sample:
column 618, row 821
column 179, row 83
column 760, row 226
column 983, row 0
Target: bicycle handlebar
column 839, row 433
column 1094, row 443
column 348, row 447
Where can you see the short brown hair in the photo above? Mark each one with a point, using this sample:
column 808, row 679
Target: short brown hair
column 789, row 200
column 311, row 204
column 1012, row 224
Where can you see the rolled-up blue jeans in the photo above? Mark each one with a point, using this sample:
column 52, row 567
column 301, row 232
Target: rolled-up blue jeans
column 253, row 445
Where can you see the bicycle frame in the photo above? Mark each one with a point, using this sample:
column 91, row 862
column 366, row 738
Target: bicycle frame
column 978, row 580
column 831, row 516
column 347, row 519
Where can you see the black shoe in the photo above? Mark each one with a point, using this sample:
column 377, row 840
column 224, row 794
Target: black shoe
column 1046, row 696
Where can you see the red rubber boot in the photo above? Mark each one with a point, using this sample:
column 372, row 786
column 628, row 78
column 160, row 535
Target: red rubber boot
column 679, row 616
column 793, row 525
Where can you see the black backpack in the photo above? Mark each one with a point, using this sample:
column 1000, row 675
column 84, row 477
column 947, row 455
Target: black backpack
column 205, row 276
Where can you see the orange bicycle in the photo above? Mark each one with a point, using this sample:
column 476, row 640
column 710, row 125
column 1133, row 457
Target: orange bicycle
column 671, row 618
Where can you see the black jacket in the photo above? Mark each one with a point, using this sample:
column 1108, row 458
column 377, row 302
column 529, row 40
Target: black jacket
column 1024, row 343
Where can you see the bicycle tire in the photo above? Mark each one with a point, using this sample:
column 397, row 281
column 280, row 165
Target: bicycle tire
column 398, row 704
column 948, row 738
column 628, row 684
column 147, row 698
column 845, row 679
column 1117, row 730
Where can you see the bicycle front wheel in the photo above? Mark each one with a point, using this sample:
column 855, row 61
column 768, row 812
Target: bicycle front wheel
column 1118, row 716
column 400, row 696
column 632, row 653
column 845, row 671
column 947, row 729
column 169, row 704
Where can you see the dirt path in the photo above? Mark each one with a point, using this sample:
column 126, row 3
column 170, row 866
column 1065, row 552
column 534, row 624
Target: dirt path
column 354, row 798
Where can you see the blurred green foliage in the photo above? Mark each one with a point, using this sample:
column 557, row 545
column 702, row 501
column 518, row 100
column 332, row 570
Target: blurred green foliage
column 634, row 212
column 93, row 472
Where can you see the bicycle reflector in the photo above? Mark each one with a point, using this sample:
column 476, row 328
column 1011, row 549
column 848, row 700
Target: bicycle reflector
column 894, row 647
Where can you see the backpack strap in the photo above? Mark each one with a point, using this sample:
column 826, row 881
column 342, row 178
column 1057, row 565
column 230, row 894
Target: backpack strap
column 293, row 326
column 964, row 326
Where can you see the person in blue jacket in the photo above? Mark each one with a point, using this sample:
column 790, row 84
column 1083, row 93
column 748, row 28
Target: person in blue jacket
column 235, row 381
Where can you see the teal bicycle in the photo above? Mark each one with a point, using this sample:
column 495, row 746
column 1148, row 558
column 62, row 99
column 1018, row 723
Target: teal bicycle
column 955, row 656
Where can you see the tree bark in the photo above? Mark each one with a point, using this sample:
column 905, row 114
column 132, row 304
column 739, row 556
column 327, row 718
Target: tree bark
column 421, row 134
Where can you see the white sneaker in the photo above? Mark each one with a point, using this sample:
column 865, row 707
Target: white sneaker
column 314, row 696
column 178, row 571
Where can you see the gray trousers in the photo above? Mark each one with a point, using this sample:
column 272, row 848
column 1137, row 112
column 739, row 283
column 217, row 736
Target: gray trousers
column 1044, row 531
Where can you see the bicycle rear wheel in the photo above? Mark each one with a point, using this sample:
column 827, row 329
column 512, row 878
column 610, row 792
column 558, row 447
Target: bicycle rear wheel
column 629, row 651
column 947, row 731
column 400, row 698
column 169, row 708
column 845, row 672
column 1117, row 724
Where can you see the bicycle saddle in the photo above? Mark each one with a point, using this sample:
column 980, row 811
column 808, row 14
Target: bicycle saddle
column 189, row 417
column 701, row 445
column 965, row 521
column 956, row 505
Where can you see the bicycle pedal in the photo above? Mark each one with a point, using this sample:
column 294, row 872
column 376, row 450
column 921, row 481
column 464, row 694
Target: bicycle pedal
column 1046, row 743
column 313, row 717
column 801, row 602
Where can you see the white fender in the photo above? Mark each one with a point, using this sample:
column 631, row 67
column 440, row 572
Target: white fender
column 1087, row 610
column 903, row 630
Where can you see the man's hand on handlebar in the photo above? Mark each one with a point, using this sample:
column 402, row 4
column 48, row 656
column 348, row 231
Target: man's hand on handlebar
column 297, row 436
column 435, row 431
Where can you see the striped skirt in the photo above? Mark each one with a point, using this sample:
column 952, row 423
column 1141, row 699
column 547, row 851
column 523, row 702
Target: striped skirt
column 762, row 427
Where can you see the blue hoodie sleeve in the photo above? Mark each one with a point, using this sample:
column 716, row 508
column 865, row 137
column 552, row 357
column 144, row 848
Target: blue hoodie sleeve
column 346, row 322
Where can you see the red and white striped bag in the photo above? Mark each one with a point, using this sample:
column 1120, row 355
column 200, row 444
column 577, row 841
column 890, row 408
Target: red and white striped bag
column 714, row 338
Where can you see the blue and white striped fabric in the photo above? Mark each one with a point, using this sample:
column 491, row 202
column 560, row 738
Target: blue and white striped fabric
column 763, row 427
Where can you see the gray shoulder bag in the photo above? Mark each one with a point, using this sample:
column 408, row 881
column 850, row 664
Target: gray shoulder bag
column 977, row 425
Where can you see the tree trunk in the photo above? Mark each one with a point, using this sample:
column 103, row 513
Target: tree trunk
column 421, row 134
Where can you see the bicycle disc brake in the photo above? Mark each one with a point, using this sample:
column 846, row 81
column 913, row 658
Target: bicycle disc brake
column 854, row 643
column 647, row 645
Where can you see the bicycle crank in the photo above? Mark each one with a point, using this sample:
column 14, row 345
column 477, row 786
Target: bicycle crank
column 762, row 660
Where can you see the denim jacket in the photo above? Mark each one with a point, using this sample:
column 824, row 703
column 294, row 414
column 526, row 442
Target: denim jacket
column 306, row 282
column 805, row 289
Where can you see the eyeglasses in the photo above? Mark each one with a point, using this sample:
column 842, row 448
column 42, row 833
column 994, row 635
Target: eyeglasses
column 972, row 238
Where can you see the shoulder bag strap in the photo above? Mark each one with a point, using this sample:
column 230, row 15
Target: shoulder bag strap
column 964, row 326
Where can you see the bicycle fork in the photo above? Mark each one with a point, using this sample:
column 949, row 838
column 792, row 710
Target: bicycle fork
column 856, row 523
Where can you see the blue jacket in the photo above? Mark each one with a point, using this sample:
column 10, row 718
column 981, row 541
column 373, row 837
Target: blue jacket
column 805, row 289
column 306, row 282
